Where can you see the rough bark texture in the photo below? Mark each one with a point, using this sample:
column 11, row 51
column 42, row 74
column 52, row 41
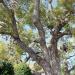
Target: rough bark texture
column 54, row 57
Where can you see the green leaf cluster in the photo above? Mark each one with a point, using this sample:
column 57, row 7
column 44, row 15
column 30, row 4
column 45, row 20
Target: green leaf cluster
column 6, row 68
column 22, row 69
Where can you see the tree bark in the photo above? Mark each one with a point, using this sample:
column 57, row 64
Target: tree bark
column 55, row 65
column 42, row 62
column 47, row 68
column 54, row 57
column 51, row 68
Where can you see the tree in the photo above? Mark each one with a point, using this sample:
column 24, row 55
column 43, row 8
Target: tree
column 57, row 20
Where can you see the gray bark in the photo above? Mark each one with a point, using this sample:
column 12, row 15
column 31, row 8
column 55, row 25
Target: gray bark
column 54, row 57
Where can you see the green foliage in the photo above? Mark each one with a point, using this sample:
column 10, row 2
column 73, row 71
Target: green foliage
column 25, row 10
column 62, row 69
column 6, row 68
column 26, row 35
column 5, row 19
column 73, row 31
column 3, row 51
column 22, row 69
column 68, row 4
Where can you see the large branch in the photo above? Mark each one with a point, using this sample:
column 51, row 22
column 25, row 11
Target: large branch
column 14, row 26
column 16, row 37
column 61, row 34
column 38, row 25
column 29, row 50
column 23, row 46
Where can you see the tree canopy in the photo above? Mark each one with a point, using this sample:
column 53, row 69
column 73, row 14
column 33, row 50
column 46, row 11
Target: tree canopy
column 48, row 24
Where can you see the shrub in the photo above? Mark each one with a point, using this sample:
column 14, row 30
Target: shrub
column 22, row 69
column 6, row 68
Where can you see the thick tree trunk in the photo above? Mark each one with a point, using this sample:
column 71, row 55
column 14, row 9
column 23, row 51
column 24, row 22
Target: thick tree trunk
column 47, row 68
column 47, row 71
column 51, row 70
column 53, row 67
column 54, row 57
column 55, row 64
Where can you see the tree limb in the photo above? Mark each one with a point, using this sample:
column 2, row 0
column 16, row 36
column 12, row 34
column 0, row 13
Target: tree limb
column 59, row 26
column 14, row 26
column 61, row 34
column 16, row 37
column 27, row 49
column 23, row 46
column 38, row 25
column 50, row 1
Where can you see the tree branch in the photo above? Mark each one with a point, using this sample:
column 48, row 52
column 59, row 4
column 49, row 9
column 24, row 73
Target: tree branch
column 61, row 24
column 38, row 25
column 14, row 26
column 16, row 37
column 50, row 1
column 61, row 34
column 29, row 50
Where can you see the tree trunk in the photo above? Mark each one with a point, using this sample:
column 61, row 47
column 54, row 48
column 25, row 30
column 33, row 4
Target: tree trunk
column 54, row 57
column 47, row 68
column 53, row 67
column 50, row 70
column 55, row 64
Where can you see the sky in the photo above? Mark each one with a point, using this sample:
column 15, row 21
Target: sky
column 48, row 6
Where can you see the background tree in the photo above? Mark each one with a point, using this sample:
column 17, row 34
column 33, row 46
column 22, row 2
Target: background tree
column 6, row 68
column 22, row 69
